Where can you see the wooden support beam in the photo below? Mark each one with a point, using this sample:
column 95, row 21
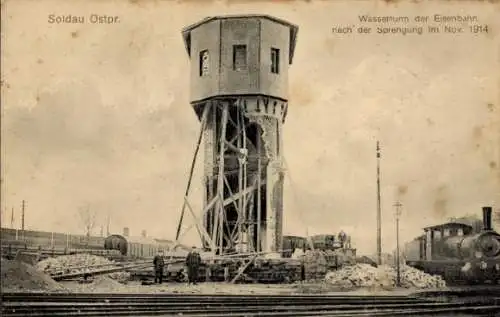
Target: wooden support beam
column 233, row 148
column 193, row 163
column 235, row 137
column 236, row 206
column 237, row 196
column 226, row 182
column 245, row 183
column 231, row 121
column 226, row 222
column 210, row 205
column 243, row 126
column 259, row 188
column 245, row 200
column 220, row 180
column 241, row 168
column 199, row 226
column 242, row 269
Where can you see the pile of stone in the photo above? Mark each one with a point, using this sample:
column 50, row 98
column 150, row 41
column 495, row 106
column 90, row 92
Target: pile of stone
column 80, row 263
column 365, row 275
column 18, row 276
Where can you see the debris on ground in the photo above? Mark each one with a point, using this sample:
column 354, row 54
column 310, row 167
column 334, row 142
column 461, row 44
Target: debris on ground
column 122, row 276
column 101, row 283
column 18, row 276
column 80, row 263
column 365, row 275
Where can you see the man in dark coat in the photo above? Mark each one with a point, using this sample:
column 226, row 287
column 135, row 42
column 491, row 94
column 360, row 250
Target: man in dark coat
column 158, row 265
column 193, row 261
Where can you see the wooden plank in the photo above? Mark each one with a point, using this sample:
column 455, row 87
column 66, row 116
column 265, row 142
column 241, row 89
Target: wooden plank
column 242, row 270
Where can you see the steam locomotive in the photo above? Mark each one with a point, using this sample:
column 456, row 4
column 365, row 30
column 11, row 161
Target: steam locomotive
column 458, row 252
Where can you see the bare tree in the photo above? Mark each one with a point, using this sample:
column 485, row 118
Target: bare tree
column 88, row 219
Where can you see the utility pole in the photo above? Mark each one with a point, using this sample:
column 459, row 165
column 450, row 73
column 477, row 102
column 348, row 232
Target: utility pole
column 107, row 226
column 22, row 217
column 12, row 218
column 379, row 221
column 398, row 206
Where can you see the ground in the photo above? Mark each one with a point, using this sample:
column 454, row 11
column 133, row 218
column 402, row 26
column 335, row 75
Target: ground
column 105, row 284
column 18, row 276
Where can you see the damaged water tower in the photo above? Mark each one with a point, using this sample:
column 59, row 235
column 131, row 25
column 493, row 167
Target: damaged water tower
column 239, row 91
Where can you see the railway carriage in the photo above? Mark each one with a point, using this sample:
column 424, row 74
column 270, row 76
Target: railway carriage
column 138, row 247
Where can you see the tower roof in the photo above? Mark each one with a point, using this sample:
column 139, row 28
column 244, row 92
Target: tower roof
column 186, row 32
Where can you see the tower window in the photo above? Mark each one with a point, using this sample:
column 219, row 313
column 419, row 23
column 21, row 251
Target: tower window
column 275, row 60
column 239, row 57
column 204, row 63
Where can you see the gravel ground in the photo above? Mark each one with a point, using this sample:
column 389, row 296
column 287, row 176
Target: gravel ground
column 18, row 276
column 106, row 284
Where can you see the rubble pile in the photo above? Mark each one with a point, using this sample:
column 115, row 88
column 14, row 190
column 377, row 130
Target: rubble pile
column 80, row 263
column 365, row 275
column 18, row 276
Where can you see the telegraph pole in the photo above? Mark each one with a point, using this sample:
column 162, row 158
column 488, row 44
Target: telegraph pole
column 398, row 206
column 22, row 217
column 379, row 222
column 12, row 218
column 107, row 226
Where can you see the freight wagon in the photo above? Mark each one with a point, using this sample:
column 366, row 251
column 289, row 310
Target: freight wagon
column 138, row 247
column 321, row 242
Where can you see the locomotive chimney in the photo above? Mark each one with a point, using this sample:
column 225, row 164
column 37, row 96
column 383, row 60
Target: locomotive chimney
column 486, row 218
column 126, row 232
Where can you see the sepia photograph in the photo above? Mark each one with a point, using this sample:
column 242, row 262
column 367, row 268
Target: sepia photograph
column 250, row 158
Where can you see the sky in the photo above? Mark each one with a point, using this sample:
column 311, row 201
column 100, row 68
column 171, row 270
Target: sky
column 99, row 116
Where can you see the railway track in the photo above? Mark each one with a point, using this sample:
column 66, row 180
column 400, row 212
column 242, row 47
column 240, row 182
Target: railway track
column 37, row 305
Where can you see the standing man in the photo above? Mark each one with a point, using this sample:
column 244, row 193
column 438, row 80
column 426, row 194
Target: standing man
column 158, row 265
column 193, row 261
column 342, row 238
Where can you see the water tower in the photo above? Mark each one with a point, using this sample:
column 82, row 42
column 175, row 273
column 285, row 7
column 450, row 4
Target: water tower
column 239, row 91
